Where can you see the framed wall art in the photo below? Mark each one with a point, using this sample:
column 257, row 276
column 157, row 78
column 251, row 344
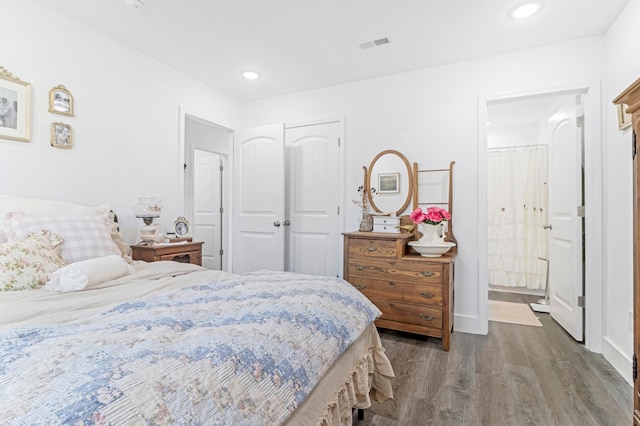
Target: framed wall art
column 388, row 183
column 61, row 101
column 15, row 107
column 61, row 135
column 624, row 119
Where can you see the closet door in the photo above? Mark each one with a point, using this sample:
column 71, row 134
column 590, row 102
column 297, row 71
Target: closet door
column 312, row 234
column 258, row 199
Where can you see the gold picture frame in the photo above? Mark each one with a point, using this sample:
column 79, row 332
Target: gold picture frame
column 61, row 135
column 15, row 107
column 624, row 119
column 61, row 101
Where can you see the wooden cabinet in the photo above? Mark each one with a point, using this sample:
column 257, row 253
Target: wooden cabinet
column 631, row 98
column 190, row 252
column 414, row 293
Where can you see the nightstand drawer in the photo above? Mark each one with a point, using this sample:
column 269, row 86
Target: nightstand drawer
column 189, row 252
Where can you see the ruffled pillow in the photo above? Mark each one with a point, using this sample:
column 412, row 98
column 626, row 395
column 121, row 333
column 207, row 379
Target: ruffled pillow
column 88, row 272
column 26, row 263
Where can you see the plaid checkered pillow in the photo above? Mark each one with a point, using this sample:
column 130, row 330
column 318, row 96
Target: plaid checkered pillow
column 85, row 237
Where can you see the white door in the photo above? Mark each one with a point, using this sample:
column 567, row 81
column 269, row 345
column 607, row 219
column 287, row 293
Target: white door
column 565, row 198
column 207, row 206
column 312, row 199
column 258, row 199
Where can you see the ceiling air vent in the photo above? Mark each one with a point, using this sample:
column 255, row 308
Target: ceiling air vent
column 374, row 43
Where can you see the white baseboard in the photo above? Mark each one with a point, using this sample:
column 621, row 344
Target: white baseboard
column 617, row 359
column 468, row 324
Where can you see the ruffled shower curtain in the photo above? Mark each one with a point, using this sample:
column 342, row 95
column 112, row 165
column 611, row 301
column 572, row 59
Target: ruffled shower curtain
column 518, row 201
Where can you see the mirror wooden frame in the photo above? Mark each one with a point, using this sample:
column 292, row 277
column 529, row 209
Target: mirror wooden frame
column 409, row 176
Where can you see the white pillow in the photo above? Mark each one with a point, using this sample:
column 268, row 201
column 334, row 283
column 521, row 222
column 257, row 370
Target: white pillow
column 38, row 207
column 88, row 272
column 85, row 237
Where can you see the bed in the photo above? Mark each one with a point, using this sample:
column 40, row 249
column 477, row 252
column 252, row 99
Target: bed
column 128, row 342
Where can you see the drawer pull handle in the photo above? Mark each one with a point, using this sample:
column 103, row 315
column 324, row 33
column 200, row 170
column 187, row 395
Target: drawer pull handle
column 361, row 287
column 428, row 295
column 392, row 283
column 426, row 317
column 371, row 248
column 360, row 267
column 427, row 273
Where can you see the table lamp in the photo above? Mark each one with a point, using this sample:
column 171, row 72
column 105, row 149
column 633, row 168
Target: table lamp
column 148, row 209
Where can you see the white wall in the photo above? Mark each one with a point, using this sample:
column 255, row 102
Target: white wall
column 622, row 67
column 431, row 116
column 511, row 136
column 126, row 131
column 126, row 124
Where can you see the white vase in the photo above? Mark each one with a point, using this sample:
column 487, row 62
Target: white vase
column 431, row 234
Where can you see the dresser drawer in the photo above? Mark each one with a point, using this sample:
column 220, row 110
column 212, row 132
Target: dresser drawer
column 422, row 315
column 363, row 247
column 423, row 272
column 399, row 291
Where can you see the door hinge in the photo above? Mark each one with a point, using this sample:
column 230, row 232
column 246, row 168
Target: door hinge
column 221, row 252
column 580, row 121
column 580, row 211
column 221, row 209
column 339, row 142
column 221, row 168
column 635, row 367
column 184, row 166
column 633, row 145
column 338, row 210
column 580, row 301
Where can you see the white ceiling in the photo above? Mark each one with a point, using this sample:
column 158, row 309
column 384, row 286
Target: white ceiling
column 305, row 44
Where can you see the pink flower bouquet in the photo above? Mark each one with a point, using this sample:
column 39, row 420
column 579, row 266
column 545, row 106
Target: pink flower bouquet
column 433, row 215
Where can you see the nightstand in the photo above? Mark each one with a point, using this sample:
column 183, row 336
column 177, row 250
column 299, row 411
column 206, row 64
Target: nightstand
column 189, row 252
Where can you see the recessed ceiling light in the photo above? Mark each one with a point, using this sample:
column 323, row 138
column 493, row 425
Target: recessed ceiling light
column 250, row 75
column 525, row 10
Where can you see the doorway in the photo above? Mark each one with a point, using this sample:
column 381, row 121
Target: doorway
column 206, row 152
column 593, row 269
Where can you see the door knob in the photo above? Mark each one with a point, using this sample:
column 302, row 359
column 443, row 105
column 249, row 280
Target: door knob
column 547, row 226
column 276, row 224
column 287, row 222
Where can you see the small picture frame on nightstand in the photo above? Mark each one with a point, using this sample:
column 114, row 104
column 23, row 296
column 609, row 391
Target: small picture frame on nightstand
column 181, row 227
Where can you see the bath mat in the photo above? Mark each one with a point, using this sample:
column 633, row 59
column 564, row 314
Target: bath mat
column 513, row 313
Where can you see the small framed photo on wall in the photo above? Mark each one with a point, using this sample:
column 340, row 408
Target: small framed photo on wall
column 15, row 107
column 61, row 101
column 61, row 135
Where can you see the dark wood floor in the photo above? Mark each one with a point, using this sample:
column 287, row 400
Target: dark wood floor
column 516, row 375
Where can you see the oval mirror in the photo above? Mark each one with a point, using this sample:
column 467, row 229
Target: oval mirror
column 390, row 174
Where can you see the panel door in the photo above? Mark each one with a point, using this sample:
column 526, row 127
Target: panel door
column 258, row 199
column 313, row 195
column 566, row 239
column 207, row 203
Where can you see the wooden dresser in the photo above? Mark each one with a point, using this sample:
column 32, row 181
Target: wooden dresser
column 414, row 293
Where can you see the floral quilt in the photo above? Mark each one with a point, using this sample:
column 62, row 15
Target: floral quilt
column 241, row 351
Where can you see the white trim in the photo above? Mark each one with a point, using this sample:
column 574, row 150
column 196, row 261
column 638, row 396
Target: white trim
column 617, row 359
column 594, row 273
column 210, row 121
column 303, row 123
